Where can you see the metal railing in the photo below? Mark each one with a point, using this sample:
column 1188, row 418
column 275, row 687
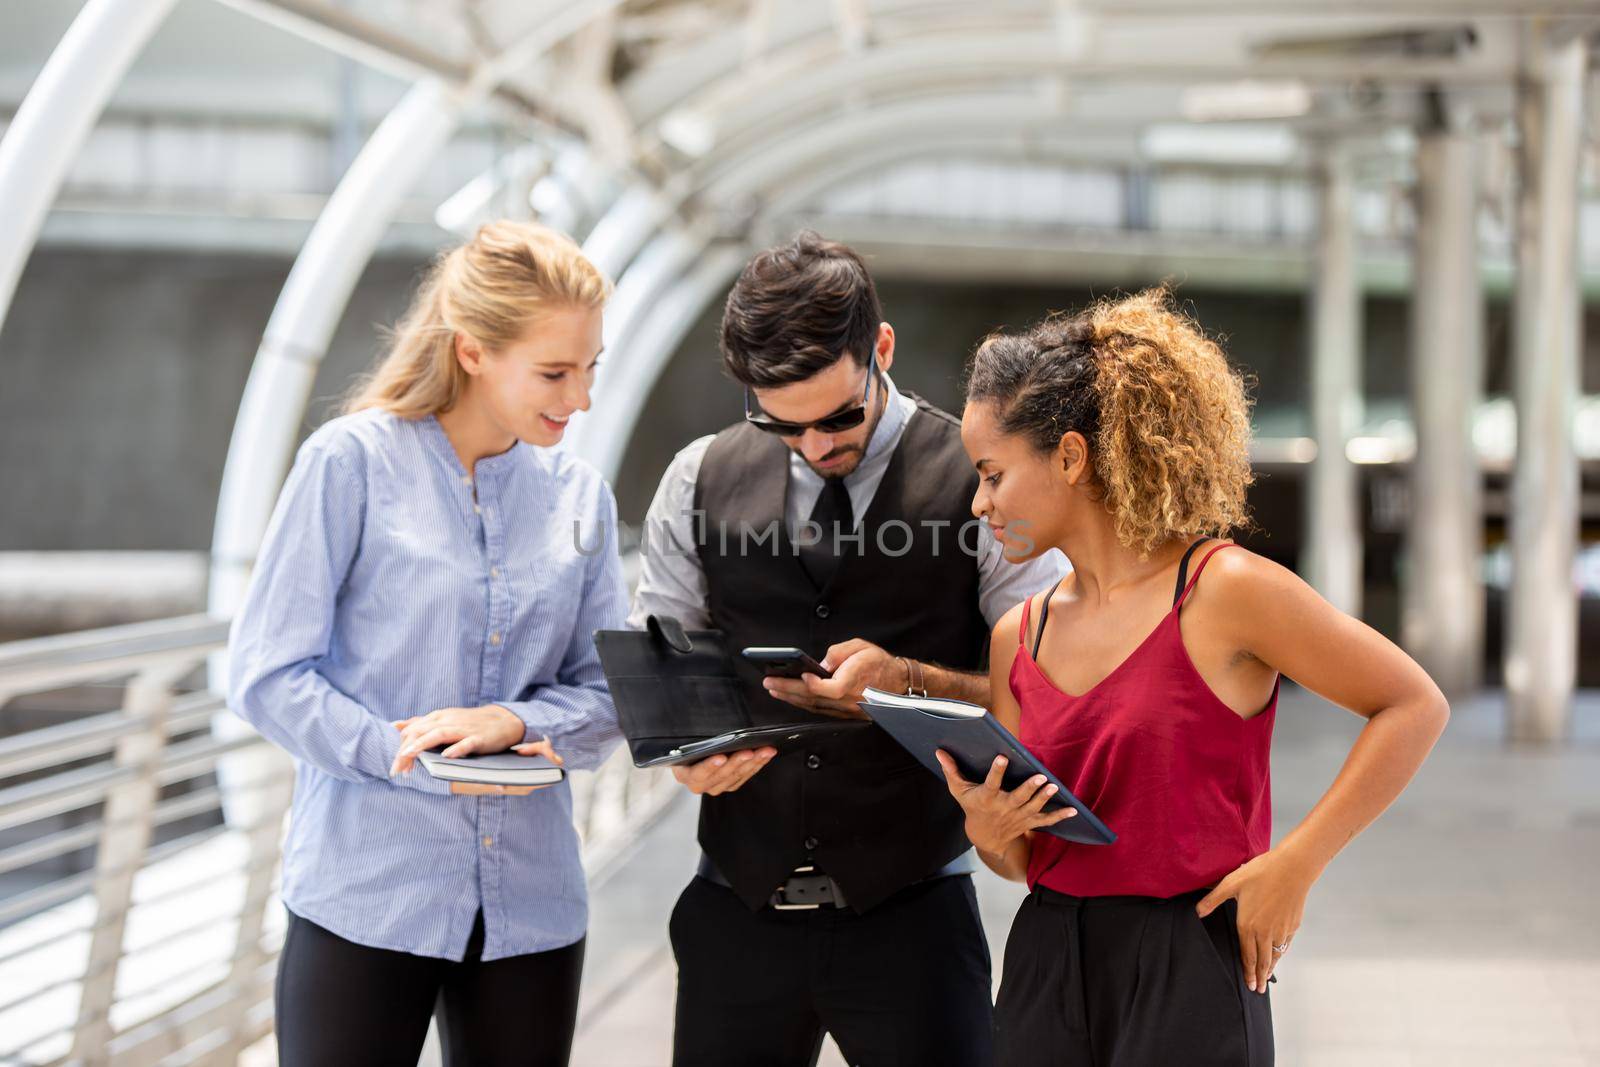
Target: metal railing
column 160, row 947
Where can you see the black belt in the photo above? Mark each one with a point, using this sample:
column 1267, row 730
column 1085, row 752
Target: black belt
column 808, row 889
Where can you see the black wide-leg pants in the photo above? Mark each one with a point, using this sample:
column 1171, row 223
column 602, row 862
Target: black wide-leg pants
column 1127, row 982
column 340, row 1004
column 907, row 983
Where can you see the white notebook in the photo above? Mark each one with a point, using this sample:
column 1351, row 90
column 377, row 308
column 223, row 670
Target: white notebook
column 502, row 768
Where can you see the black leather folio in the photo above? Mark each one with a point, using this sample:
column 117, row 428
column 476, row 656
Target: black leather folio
column 973, row 738
column 679, row 698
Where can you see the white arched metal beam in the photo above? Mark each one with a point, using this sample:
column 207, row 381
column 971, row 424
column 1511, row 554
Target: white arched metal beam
column 784, row 84
column 804, row 31
column 296, row 339
column 658, row 301
column 57, row 115
column 767, row 164
column 319, row 286
column 302, row 325
column 601, row 434
column 610, row 425
column 710, row 75
column 616, row 239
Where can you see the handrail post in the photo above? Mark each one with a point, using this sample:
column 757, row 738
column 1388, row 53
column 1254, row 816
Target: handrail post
column 128, row 815
column 263, row 835
column 608, row 801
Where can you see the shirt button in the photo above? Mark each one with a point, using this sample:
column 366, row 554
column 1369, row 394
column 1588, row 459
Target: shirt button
column 811, row 843
column 466, row 479
column 494, row 572
column 488, row 842
column 813, row 762
column 494, row 639
column 476, row 510
column 822, row 611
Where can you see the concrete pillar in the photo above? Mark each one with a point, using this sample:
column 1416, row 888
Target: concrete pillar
column 1542, row 634
column 1332, row 562
column 1443, row 596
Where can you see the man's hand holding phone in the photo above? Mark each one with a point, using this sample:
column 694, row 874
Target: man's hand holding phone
column 848, row 669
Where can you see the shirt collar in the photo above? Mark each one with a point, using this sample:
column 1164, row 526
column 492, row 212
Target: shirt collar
column 439, row 442
column 894, row 418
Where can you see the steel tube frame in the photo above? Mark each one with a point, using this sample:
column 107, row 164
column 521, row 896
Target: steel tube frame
column 622, row 231
column 302, row 325
column 319, row 287
column 648, row 318
column 810, row 62
column 1443, row 593
column 339, row 31
column 57, row 115
column 1542, row 637
column 651, row 336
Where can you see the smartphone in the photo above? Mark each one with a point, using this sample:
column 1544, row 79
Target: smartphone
column 786, row 662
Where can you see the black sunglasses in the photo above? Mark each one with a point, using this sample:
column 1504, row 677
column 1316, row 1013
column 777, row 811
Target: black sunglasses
column 838, row 422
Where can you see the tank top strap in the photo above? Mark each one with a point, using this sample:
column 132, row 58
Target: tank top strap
column 1044, row 617
column 1189, row 588
column 1022, row 625
column 1183, row 570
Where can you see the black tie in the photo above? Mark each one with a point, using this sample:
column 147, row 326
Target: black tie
column 834, row 515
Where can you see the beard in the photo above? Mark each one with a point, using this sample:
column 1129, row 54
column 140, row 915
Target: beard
column 847, row 468
column 843, row 470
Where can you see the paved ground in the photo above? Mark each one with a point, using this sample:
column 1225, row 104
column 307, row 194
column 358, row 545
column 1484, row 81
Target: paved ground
column 1460, row 930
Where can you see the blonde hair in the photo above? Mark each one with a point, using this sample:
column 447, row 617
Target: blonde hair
column 1167, row 418
column 491, row 289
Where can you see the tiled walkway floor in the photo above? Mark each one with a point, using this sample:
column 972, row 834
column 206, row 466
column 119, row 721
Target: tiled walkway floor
column 1460, row 930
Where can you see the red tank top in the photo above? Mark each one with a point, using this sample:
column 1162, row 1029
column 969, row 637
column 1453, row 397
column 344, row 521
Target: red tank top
column 1181, row 779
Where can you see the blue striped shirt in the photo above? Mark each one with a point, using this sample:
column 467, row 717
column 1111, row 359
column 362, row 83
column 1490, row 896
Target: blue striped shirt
column 391, row 583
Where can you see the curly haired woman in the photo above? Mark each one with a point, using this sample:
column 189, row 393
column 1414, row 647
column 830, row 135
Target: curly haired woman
column 1147, row 681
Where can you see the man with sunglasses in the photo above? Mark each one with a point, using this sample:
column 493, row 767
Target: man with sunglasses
column 834, row 893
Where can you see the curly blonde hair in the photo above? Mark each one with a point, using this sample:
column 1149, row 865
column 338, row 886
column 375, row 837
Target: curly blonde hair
column 491, row 289
column 1168, row 420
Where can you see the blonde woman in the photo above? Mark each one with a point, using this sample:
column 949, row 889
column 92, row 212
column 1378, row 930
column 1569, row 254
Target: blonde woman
column 431, row 577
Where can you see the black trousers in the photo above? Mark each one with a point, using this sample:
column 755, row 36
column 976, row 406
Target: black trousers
column 906, row 983
column 340, row 1004
column 1127, row 982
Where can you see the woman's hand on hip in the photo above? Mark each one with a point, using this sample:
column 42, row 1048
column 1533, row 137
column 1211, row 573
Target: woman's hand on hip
column 466, row 732
column 995, row 818
column 1271, row 890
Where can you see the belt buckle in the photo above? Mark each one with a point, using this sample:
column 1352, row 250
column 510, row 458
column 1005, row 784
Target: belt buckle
column 778, row 900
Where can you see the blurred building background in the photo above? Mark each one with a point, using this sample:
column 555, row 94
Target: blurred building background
column 1389, row 211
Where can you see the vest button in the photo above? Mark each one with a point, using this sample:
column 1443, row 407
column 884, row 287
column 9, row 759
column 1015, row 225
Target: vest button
column 813, row 762
column 811, row 843
column 822, row 611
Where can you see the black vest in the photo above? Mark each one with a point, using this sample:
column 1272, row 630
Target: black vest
column 858, row 806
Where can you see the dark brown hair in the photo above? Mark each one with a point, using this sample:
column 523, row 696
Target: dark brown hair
column 1167, row 419
column 797, row 309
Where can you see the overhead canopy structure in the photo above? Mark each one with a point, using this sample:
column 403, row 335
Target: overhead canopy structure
column 672, row 136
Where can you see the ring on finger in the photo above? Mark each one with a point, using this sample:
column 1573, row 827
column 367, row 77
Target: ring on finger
column 1278, row 950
